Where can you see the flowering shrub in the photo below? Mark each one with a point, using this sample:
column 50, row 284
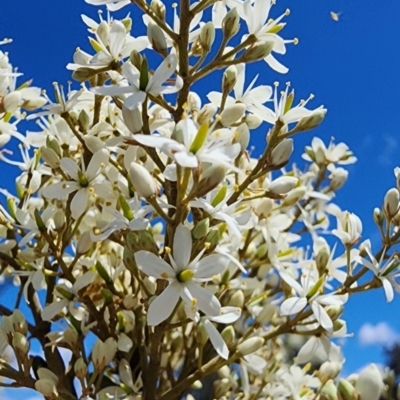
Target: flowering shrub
column 150, row 244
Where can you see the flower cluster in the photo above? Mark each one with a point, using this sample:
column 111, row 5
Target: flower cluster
column 154, row 247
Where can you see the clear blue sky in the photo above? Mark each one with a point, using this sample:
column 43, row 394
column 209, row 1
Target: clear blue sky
column 352, row 67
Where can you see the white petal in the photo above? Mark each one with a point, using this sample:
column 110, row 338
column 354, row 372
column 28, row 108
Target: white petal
column 117, row 38
column 113, row 90
column 228, row 315
column 387, row 286
column 308, row 351
column 293, row 305
column 50, row 311
column 206, row 301
column 79, row 203
column 135, row 100
column 216, row 340
column 161, row 308
column 322, row 316
column 182, row 247
column 210, row 266
column 98, row 161
column 186, row 159
column 275, row 64
column 154, row 266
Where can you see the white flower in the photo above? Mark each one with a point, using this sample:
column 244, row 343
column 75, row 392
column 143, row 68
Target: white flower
column 259, row 24
column 251, row 96
column 184, row 276
column 155, row 86
column 85, row 183
column 283, row 111
column 308, row 293
column 385, row 270
column 200, row 144
column 349, row 228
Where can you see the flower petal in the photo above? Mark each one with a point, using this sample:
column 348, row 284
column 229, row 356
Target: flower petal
column 206, row 301
column 216, row 340
column 293, row 305
column 182, row 247
column 161, row 308
column 210, row 266
column 154, row 266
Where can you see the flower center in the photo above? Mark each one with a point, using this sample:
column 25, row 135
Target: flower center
column 185, row 275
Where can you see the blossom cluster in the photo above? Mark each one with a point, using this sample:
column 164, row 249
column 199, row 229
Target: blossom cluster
column 154, row 246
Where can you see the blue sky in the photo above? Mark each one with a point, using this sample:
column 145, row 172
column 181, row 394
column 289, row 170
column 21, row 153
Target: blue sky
column 351, row 66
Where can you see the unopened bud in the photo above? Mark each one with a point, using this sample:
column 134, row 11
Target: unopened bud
column 329, row 370
column 141, row 240
column 280, row 155
column 253, row 121
column 322, row 259
column 50, row 157
column 229, row 79
column 228, row 334
column 236, row 300
column 334, row 311
column 80, row 368
column 312, row 121
column 158, row 8
column 391, row 203
column 19, row 322
column 47, row 388
column 103, row 353
column 257, row 51
column 136, row 59
column 84, row 243
column 264, row 207
column 250, row 346
column 202, row 335
column 221, row 387
column 346, row 390
column 266, row 314
column 282, row 185
column 329, row 391
column 378, row 216
column 211, row 178
column 196, row 385
column 294, row 196
column 242, row 136
column 133, row 119
column 157, row 38
column 207, row 36
column 142, row 180
column 20, row 345
column 213, row 238
column 338, row 178
column 232, row 114
column 84, row 74
column 84, row 120
column 369, row 384
column 201, row 229
column 103, row 273
column 11, row 101
column 230, row 23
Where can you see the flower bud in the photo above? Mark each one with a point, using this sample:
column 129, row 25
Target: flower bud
column 136, row 59
column 11, row 101
column 312, row 121
column 211, row 178
column 229, row 79
column 157, row 38
column 20, row 345
column 257, row 51
column 329, row 391
column 221, row 387
column 250, row 346
column 47, row 388
column 207, row 36
column 264, row 207
column 346, row 390
column 84, row 243
column 142, row 180
column 84, row 73
column 266, row 314
column 321, row 259
column 54, row 145
column 334, row 311
column 294, row 196
column 80, row 368
column 229, row 335
column 19, row 322
column 141, row 240
column 391, row 203
column 59, row 220
column 103, row 353
column 242, row 136
column 236, row 300
column 196, row 385
column 329, row 370
column 83, row 120
column 232, row 114
column 253, row 121
column 206, row 114
column 150, row 284
column 202, row 335
column 338, row 178
column 50, row 157
column 201, row 229
column 93, row 143
column 282, row 185
column 158, row 8
column 378, row 216
column 230, row 23
column 213, row 239
column 369, row 384
column 280, row 155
